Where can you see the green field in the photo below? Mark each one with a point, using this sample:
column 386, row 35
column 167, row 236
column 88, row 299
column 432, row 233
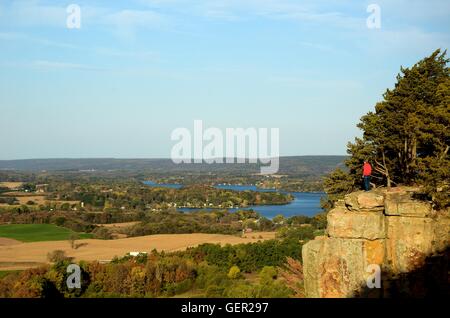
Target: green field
column 38, row 232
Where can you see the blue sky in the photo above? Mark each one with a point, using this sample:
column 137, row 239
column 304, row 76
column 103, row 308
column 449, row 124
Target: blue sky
column 138, row 69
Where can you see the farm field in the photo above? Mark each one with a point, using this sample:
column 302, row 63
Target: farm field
column 24, row 198
column 37, row 232
column 37, row 199
column 18, row 256
column 11, row 185
column 118, row 225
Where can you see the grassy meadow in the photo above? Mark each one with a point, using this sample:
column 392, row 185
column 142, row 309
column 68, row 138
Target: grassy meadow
column 38, row 232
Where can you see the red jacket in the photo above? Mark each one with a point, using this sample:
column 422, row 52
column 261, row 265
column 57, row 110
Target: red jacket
column 367, row 169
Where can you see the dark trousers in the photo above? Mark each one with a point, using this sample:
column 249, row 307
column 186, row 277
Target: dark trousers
column 367, row 183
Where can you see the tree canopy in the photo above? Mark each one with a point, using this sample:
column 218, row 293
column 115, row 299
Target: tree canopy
column 406, row 138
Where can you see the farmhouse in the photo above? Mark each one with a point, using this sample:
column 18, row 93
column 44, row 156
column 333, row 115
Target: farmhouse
column 41, row 188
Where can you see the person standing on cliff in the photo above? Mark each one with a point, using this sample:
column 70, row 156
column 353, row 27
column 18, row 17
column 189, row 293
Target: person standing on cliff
column 367, row 171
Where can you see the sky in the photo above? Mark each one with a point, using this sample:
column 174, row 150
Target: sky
column 136, row 70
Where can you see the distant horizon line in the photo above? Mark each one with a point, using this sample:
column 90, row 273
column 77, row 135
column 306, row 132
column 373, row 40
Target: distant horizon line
column 154, row 158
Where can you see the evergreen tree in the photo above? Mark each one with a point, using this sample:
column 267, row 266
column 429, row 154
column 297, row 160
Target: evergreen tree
column 407, row 137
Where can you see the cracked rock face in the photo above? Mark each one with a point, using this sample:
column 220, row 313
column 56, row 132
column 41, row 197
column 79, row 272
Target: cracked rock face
column 363, row 200
column 403, row 205
column 388, row 229
column 336, row 267
column 343, row 223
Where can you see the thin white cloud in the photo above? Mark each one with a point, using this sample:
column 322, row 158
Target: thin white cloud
column 120, row 21
column 234, row 10
column 147, row 56
column 16, row 36
column 417, row 10
column 56, row 65
column 412, row 39
column 405, row 23
column 46, row 65
column 134, row 18
column 400, row 27
column 30, row 13
column 127, row 22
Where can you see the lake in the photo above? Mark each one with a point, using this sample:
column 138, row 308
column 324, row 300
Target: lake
column 163, row 185
column 304, row 203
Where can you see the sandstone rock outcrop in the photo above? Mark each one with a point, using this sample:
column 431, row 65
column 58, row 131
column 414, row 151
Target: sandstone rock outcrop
column 343, row 223
column 362, row 200
column 336, row 266
column 389, row 229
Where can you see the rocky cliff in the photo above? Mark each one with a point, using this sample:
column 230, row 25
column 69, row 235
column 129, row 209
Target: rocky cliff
column 386, row 229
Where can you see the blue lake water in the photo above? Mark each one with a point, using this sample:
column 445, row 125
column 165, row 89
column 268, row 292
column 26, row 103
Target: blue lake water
column 163, row 185
column 304, row 203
